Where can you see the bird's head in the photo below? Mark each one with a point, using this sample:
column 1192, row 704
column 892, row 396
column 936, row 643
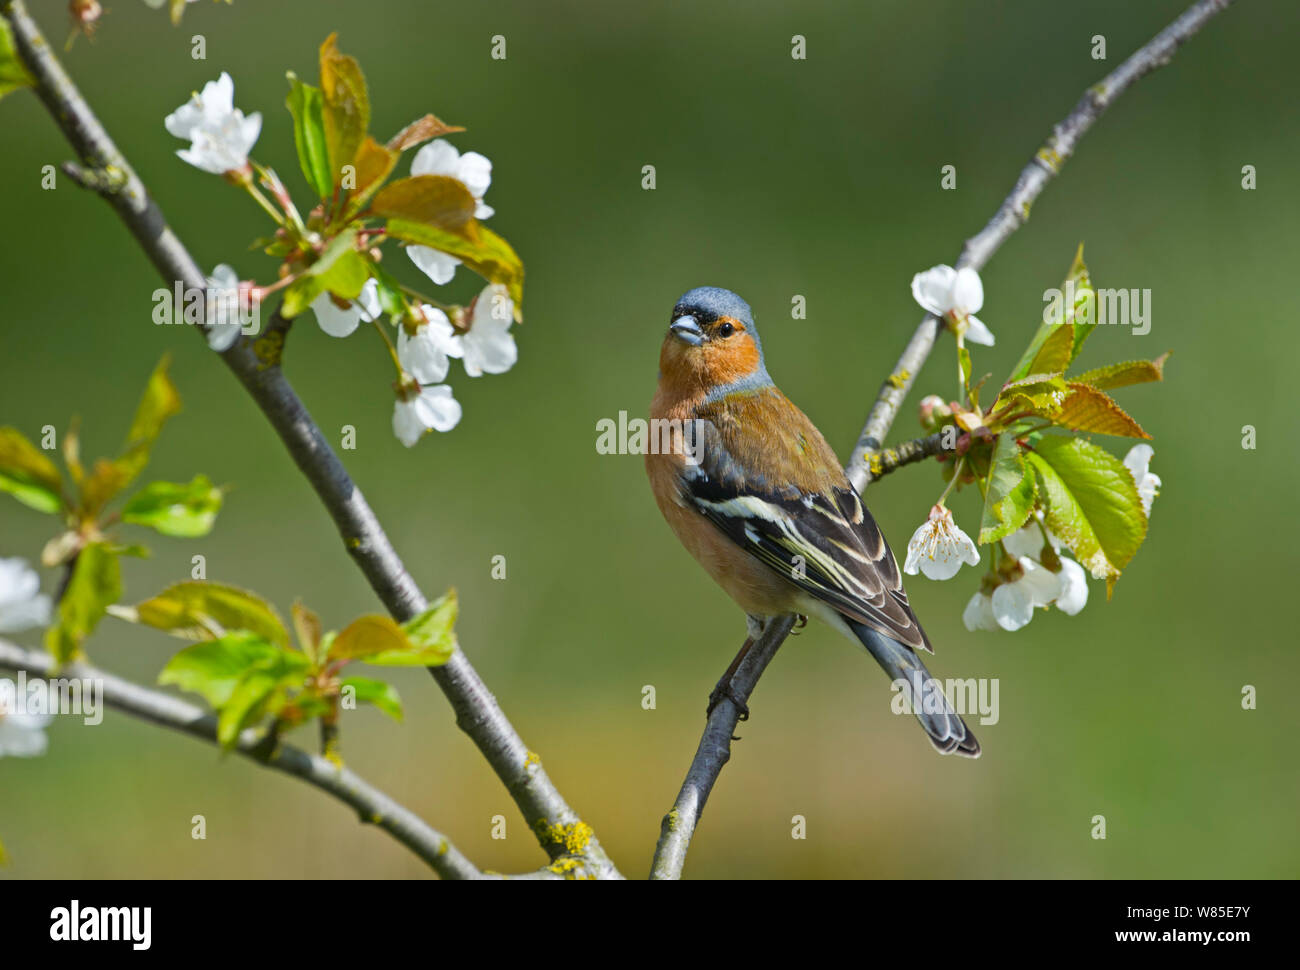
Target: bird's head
column 712, row 342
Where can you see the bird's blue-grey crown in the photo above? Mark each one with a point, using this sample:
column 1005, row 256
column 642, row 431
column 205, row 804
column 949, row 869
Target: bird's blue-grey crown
column 707, row 303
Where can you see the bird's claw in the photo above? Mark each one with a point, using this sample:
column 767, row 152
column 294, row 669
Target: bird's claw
column 724, row 692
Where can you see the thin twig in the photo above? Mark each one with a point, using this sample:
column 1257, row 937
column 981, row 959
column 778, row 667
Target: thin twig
column 371, row 805
column 558, row 828
column 715, row 747
column 909, row 452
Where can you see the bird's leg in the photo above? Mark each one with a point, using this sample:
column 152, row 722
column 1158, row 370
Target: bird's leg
column 724, row 685
column 754, row 626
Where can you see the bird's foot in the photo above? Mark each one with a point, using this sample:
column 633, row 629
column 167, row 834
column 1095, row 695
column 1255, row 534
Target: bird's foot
column 723, row 692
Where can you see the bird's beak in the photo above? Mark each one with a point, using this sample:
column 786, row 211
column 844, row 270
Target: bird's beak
column 687, row 331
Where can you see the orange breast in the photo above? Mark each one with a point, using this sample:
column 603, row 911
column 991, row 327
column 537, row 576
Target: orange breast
column 755, row 587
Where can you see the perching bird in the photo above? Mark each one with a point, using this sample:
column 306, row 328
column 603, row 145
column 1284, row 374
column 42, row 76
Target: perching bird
column 754, row 492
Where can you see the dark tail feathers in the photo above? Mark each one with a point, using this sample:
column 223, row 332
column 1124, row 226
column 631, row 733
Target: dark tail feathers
column 947, row 731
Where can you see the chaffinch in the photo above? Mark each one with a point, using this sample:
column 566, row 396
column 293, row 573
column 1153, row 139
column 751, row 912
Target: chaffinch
column 757, row 496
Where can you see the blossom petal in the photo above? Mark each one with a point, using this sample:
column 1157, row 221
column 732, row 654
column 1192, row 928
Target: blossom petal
column 26, row 614
column 438, row 157
column 437, row 409
column 1012, row 606
column 218, row 97
column 978, row 614
column 1025, row 541
column 1074, row 588
column 1138, row 462
column 333, row 319
column 476, row 172
column 968, row 291
column 978, row 333
column 1041, row 583
column 933, row 289
column 19, row 739
column 436, row 265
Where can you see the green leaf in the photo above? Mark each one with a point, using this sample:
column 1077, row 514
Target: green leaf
column 1078, row 275
column 174, row 508
column 376, row 692
column 432, row 632
column 1087, row 409
column 159, row 402
column 242, row 675
column 490, row 256
column 1056, row 352
column 247, row 704
column 304, row 103
column 345, row 106
column 368, row 636
column 432, row 200
column 1085, row 299
column 1010, row 496
column 95, row 583
column 1124, row 374
column 1090, row 502
column 27, row 474
column 340, row 270
column 214, row 668
column 200, row 610
column 1039, row 394
column 13, row 72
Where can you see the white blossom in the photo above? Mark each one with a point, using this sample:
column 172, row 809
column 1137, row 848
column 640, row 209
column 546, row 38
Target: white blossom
column 441, row 157
column 22, row 604
column 220, row 136
column 956, row 293
column 489, row 347
column 22, row 735
column 432, row 409
column 1138, row 462
column 1074, row 588
column 939, row 547
column 342, row 321
column 1028, row 542
column 978, row 614
column 425, row 354
column 1014, row 602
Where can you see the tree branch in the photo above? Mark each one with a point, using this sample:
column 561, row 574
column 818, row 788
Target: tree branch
column 371, row 805
column 715, row 746
column 256, row 364
column 1014, row 212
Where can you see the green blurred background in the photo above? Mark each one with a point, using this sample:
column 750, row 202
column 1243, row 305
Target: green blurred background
column 776, row 177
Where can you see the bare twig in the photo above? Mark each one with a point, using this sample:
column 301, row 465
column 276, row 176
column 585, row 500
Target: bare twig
column 559, row 830
column 715, row 747
column 371, row 805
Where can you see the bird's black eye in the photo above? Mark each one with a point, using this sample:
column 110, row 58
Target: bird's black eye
column 726, row 330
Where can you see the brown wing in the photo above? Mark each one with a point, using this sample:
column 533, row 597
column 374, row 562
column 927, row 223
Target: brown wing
column 785, row 501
